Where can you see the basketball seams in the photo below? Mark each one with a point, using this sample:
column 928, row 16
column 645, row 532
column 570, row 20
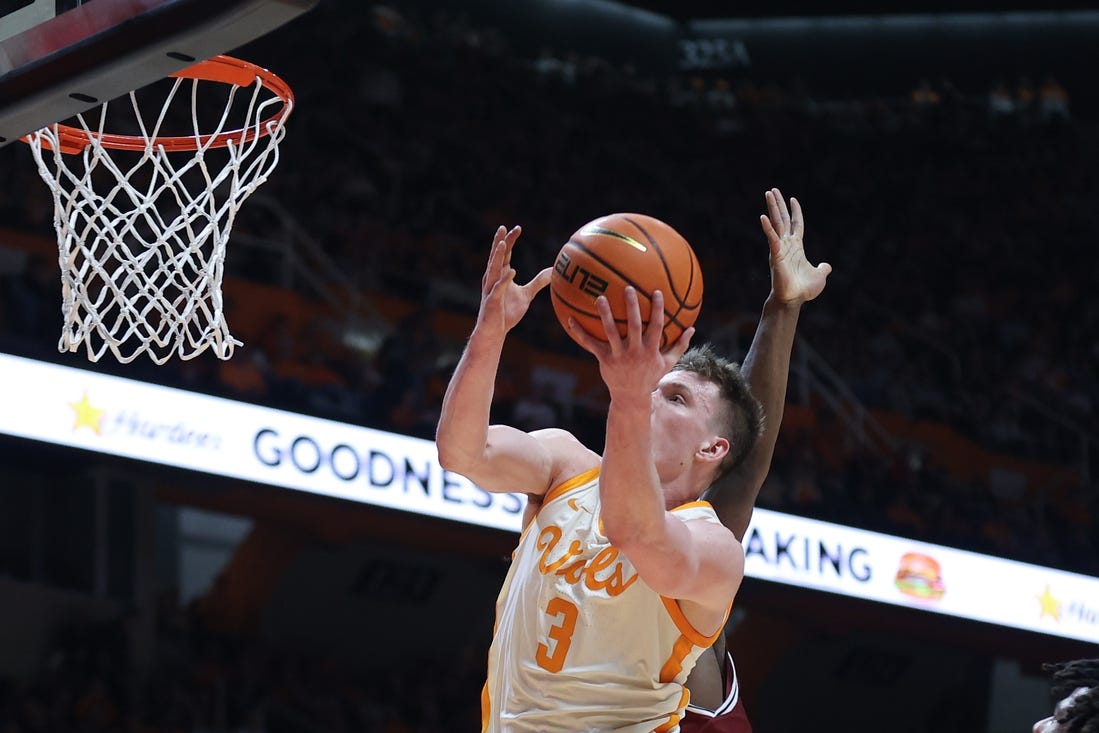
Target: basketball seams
column 663, row 260
column 669, row 317
column 589, row 265
column 695, row 267
column 580, row 314
column 577, row 310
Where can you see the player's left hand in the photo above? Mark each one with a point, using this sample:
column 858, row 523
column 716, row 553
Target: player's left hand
column 503, row 301
column 632, row 366
column 793, row 279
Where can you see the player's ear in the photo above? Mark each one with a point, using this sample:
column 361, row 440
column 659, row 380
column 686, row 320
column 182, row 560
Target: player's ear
column 714, row 449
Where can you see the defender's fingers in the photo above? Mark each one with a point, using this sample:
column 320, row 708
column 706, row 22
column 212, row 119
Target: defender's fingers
column 772, row 208
column 773, row 239
column 783, row 211
column 774, row 213
column 797, row 219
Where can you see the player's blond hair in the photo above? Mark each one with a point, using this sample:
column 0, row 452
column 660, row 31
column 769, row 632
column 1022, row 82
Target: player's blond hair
column 743, row 421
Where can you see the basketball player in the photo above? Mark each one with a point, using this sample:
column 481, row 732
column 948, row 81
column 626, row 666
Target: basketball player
column 579, row 643
column 715, row 705
column 1076, row 684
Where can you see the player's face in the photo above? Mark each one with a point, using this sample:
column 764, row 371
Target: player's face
column 1050, row 724
column 683, row 419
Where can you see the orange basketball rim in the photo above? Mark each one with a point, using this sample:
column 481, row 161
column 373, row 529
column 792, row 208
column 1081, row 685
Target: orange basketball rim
column 221, row 68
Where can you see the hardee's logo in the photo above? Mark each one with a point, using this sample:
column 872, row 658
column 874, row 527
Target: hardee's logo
column 87, row 415
column 130, row 424
column 1070, row 610
column 1050, row 606
column 588, row 570
column 920, row 576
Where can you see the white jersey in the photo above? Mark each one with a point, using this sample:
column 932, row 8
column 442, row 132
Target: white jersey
column 581, row 642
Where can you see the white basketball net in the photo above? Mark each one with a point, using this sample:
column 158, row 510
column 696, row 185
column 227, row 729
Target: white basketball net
column 141, row 234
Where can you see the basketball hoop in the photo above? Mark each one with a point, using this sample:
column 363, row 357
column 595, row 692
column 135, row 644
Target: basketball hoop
column 143, row 219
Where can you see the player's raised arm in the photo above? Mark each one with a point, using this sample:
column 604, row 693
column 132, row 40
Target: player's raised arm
column 662, row 449
column 496, row 458
column 767, row 365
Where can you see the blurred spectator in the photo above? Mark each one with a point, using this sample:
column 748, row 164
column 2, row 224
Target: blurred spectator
column 1053, row 104
column 1001, row 103
column 535, row 409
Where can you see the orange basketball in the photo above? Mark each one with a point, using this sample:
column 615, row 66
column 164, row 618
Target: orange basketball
column 612, row 252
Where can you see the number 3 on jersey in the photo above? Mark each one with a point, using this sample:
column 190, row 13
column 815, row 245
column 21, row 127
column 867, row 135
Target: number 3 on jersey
column 560, row 633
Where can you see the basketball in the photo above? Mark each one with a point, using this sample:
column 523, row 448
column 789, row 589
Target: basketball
column 612, row 252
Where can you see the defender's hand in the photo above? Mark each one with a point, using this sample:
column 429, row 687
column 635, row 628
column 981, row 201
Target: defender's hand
column 793, row 279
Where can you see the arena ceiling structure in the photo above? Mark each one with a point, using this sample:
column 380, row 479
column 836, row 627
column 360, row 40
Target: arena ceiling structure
column 839, row 49
column 688, row 10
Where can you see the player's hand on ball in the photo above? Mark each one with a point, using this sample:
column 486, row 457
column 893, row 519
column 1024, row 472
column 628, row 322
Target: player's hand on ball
column 503, row 301
column 632, row 365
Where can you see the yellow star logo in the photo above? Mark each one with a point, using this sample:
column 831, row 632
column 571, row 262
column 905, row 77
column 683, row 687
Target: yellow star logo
column 87, row 415
column 1050, row 605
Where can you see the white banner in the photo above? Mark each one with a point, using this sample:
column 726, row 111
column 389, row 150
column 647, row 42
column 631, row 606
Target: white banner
column 903, row 572
column 173, row 427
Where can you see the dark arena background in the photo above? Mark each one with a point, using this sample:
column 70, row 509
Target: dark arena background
column 275, row 549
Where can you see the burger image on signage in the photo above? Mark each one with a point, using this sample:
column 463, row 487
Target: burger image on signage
column 919, row 576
